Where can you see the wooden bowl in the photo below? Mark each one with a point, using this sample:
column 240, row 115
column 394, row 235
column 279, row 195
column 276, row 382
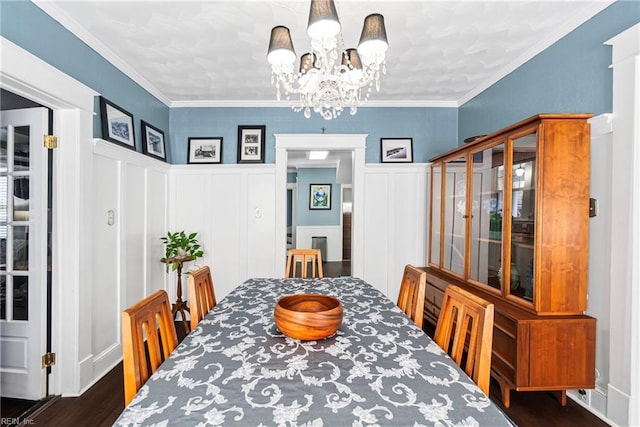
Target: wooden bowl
column 308, row 316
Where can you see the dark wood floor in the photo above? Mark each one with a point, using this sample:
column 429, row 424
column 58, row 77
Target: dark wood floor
column 102, row 404
column 336, row 269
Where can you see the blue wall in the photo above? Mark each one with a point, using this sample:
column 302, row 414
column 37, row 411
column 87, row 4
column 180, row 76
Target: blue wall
column 306, row 216
column 571, row 76
column 29, row 27
column 433, row 130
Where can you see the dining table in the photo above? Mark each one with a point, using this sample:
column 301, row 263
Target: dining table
column 379, row 369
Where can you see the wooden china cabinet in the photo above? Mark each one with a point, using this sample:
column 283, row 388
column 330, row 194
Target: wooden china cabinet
column 509, row 221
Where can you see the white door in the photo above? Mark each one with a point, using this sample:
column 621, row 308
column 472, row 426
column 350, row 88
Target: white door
column 23, row 252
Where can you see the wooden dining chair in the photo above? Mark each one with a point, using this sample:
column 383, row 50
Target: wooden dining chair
column 304, row 256
column 202, row 297
column 412, row 293
column 465, row 332
column 149, row 322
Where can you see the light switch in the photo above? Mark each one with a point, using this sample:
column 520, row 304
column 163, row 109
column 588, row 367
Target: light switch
column 111, row 217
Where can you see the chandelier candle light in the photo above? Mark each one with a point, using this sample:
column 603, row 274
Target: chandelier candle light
column 330, row 77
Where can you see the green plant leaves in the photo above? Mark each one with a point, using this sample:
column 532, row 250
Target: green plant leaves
column 179, row 245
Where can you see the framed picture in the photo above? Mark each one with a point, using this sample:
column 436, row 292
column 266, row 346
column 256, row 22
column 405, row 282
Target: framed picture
column 117, row 124
column 320, row 196
column 251, row 144
column 396, row 150
column 205, row 150
column 153, row 141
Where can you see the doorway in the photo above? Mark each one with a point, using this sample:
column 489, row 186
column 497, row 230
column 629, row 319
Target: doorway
column 323, row 229
column 25, row 208
column 287, row 144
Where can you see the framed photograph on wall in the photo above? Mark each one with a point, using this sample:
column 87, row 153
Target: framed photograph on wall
column 117, row 124
column 205, row 150
column 396, row 150
column 153, row 141
column 320, row 196
column 251, row 144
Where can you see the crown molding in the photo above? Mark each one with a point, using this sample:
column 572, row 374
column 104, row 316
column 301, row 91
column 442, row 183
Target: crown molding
column 285, row 104
column 79, row 31
column 551, row 38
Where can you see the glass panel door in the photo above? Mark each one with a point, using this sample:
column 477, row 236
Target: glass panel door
column 436, row 205
column 523, row 208
column 455, row 213
column 486, row 224
column 14, row 222
column 23, row 254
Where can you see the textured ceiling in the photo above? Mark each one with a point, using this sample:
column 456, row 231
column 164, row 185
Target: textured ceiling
column 214, row 52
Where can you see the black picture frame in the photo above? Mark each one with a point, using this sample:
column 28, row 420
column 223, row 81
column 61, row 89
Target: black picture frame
column 396, row 150
column 320, row 196
column 251, row 144
column 153, row 144
column 205, row 150
column 117, row 124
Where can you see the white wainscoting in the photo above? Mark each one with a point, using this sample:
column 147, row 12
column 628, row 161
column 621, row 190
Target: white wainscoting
column 232, row 208
column 333, row 233
column 132, row 189
column 395, row 220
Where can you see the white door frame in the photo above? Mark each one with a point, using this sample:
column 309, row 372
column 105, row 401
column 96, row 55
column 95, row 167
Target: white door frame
column 72, row 103
column 342, row 142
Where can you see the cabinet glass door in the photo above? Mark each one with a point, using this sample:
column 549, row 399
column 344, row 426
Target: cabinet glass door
column 454, row 215
column 486, row 221
column 436, row 206
column 523, row 208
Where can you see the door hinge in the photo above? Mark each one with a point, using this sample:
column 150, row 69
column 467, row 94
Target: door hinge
column 48, row 359
column 50, row 142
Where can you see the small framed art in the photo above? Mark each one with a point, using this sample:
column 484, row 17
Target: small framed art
column 117, row 124
column 205, row 150
column 320, row 196
column 251, row 144
column 396, row 150
column 153, row 141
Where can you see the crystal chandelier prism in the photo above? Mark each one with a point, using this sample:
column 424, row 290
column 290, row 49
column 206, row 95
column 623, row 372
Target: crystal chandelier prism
column 330, row 78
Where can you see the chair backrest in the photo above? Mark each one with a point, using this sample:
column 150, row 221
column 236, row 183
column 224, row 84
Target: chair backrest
column 412, row 293
column 202, row 297
column 465, row 328
column 150, row 321
column 304, row 256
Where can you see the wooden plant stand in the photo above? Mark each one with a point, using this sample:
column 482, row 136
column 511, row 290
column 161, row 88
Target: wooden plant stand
column 180, row 305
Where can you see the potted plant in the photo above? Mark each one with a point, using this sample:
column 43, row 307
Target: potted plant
column 179, row 248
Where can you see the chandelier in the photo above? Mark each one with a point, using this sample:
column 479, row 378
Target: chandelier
column 330, row 77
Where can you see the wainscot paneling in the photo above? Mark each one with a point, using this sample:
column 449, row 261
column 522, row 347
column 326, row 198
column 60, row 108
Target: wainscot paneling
column 129, row 215
column 395, row 217
column 232, row 208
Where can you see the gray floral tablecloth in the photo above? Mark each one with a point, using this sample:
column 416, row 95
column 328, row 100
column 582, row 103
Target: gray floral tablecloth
column 237, row 369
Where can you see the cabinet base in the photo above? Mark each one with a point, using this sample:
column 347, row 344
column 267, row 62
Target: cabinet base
column 506, row 387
